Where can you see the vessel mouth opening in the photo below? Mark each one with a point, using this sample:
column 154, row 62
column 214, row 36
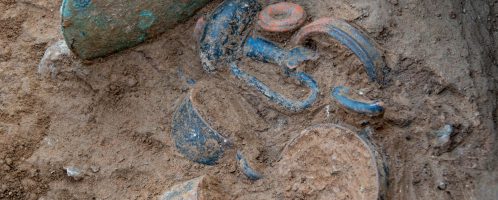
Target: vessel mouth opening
column 280, row 14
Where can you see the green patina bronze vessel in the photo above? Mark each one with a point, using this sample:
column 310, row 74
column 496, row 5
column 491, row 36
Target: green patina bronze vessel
column 96, row 28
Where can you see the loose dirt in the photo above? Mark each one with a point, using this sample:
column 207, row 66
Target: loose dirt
column 111, row 118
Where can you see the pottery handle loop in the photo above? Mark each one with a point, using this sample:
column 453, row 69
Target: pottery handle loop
column 291, row 105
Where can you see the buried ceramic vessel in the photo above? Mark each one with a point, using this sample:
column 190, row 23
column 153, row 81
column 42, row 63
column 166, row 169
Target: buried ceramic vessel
column 223, row 32
column 335, row 162
column 94, row 28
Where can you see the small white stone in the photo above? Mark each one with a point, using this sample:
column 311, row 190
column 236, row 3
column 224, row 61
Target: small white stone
column 442, row 185
column 444, row 135
column 95, row 169
column 54, row 53
column 73, row 172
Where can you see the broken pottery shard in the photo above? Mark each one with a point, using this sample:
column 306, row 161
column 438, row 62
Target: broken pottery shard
column 202, row 188
column 246, row 167
column 194, row 137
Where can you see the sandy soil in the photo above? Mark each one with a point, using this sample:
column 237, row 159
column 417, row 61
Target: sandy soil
column 110, row 118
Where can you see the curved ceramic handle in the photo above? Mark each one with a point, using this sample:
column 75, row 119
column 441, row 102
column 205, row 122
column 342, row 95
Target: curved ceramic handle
column 350, row 37
column 291, row 105
column 263, row 50
column 341, row 95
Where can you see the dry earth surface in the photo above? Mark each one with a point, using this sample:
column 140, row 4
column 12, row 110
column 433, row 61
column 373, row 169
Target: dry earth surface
column 111, row 118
